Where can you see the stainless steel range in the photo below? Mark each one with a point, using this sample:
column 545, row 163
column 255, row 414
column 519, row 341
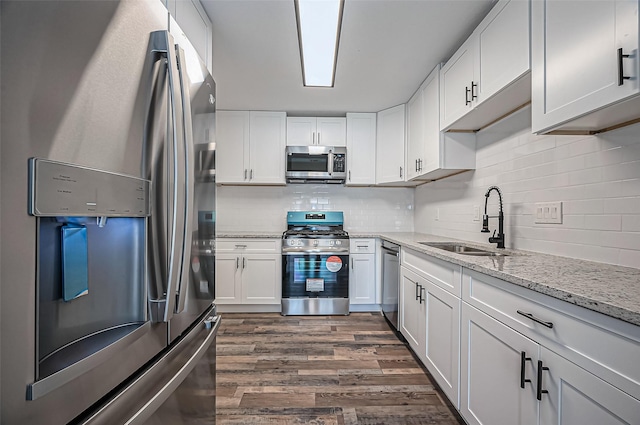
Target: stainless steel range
column 315, row 264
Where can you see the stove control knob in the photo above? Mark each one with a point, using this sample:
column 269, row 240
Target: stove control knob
column 331, row 242
column 315, row 243
column 338, row 243
column 292, row 242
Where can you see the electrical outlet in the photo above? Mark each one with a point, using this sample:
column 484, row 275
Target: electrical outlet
column 548, row 212
column 476, row 213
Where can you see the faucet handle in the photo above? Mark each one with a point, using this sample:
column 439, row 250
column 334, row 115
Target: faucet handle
column 494, row 234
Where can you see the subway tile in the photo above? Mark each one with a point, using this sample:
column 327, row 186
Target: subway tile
column 603, row 222
column 631, row 223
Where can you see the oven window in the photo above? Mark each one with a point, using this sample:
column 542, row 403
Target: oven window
column 306, row 162
column 315, row 276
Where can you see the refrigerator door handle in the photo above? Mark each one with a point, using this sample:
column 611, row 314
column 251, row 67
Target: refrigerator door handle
column 162, row 44
column 188, row 179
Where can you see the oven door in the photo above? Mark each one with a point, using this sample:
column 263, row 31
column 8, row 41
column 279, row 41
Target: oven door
column 315, row 275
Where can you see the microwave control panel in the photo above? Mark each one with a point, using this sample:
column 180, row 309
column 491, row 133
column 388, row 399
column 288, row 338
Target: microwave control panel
column 339, row 165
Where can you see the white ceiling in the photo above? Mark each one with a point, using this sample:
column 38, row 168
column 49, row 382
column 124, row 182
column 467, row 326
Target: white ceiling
column 387, row 48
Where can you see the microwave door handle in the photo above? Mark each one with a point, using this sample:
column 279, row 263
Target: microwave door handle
column 330, row 163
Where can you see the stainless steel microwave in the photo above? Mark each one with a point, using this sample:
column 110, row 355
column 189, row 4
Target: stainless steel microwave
column 316, row 164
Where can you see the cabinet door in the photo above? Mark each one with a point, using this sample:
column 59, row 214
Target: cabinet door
column 491, row 371
column 576, row 397
column 503, row 43
column 390, row 145
column 415, row 134
column 413, row 315
column 443, row 339
column 331, row 131
column 228, row 288
column 301, row 131
column 267, row 147
column 232, row 144
column 261, row 279
column 575, row 57
column 431, row 158
column 456, row 91
column 362, row 279
column 361, row 149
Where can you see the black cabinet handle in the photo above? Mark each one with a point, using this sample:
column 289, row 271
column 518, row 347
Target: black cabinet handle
column 621, row 76
column 416, row 165
column 466, row 96
column 421, row 290
column 523, row 360
column 540, row 391
column 244, row 262
column 473, row 93
column 535, row 319
column 400, row 172
column 417, row 291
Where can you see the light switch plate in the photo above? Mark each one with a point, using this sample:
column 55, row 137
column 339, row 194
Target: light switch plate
column 548, row 212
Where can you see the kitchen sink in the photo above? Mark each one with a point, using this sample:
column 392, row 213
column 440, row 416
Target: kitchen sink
column 463, row 249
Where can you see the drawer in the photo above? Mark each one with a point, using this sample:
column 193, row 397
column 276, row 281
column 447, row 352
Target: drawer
column 362, row 246
column 607, row 347
column 249, row 245
column 441, row 273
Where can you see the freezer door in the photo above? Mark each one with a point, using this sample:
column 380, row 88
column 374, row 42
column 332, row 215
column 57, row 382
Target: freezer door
column 178, row 388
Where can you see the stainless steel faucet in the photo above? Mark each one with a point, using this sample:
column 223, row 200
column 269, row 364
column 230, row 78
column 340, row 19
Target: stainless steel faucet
column 485, row 219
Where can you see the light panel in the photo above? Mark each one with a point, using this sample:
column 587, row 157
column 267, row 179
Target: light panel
column 319, row 23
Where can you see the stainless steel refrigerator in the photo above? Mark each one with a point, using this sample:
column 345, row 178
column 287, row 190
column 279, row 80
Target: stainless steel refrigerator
column 106, row 292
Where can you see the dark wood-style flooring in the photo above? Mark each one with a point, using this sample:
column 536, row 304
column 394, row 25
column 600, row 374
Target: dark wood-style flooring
column 321, row 370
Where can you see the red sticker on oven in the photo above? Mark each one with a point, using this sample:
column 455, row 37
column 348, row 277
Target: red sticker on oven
column 334, row 263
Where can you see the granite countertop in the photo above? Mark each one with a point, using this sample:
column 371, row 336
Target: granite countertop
column 605, row 288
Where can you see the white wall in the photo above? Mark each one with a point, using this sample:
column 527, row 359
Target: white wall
column 256, row 208
column 596, row 177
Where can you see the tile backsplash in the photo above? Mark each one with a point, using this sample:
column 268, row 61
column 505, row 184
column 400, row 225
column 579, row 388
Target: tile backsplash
column 264, row 208
column 597, row 179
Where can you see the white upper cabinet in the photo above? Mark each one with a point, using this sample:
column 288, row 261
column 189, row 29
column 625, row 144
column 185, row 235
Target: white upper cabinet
column 267, row 147
column 390, row 166
column 361, row 149
column 194, row 23
column 232, row 144
column 583, row 79
column 432, row 154
column 250, row 147
column 325, row 131
column 488, row 77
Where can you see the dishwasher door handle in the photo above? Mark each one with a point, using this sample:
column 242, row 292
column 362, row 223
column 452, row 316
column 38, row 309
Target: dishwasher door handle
column 391, row 251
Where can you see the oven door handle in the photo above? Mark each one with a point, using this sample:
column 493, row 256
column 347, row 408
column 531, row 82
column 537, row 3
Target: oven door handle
column 319, row 252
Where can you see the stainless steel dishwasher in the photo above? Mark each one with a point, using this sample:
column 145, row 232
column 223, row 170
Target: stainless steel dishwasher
column 390, row 281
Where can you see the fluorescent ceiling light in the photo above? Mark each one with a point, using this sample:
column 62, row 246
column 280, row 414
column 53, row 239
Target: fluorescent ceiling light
column 319, row 23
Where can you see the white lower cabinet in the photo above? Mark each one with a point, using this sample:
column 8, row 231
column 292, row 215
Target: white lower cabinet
column 506, row 355
column 413, row 314
column 524, row 362
column 248, row 272
column 431, row 316
column 442, row 345
column 491, row 371
column 362, row 279
column 362, row 272
column 576, row 397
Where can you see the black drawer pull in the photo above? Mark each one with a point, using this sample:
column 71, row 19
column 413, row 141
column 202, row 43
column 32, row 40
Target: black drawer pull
column 523, row 360
column 540, row 391
column 535, row 319
column 466, row 96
